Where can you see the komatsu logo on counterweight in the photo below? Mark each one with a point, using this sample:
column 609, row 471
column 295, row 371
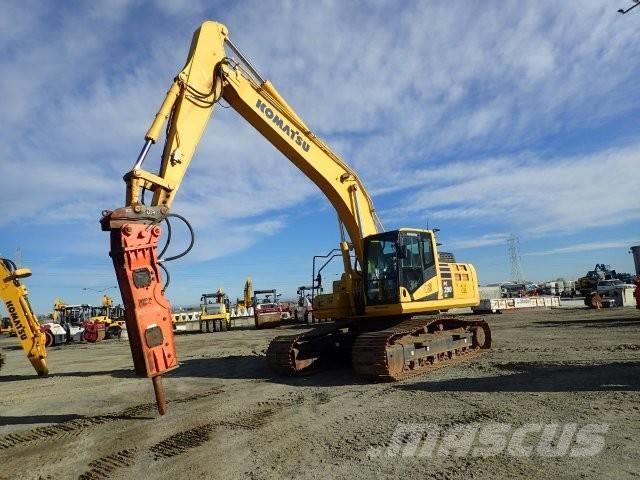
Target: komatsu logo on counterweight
column 15, row 319
column 286, row 129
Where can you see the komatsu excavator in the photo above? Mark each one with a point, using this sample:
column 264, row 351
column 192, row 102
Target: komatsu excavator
column 376, row 305
column 24, row 322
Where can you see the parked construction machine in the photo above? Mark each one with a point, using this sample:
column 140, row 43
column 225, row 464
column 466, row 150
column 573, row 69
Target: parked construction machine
column 23, row 321
column 304, row 307
column 378, row 304
column 244, row 305
column 215, row 312
column 105, row 321
column 266, row 308
column 68, row 323
column 589, row 283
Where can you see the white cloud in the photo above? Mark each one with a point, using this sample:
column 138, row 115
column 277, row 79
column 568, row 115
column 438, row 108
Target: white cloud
column 585, row 247
column 485, row 240
column 537, row 195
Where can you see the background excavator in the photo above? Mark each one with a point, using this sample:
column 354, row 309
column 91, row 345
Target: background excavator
column 244, row 304
column 395, row 277
column 23, row 320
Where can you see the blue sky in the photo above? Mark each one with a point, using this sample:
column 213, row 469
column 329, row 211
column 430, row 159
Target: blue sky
column 483, row 118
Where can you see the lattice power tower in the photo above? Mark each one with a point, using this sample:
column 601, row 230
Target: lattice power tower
column 515, row 259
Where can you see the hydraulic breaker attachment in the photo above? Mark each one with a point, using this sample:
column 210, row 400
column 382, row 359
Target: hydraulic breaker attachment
column 134, row 242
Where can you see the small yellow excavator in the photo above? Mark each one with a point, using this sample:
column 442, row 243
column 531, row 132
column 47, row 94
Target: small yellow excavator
column 23, row 320
column 378, row 305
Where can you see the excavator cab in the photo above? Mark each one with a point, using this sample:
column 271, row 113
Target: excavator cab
column 397, row 264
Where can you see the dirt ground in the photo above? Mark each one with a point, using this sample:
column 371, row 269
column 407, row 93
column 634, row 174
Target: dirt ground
column 229, row 417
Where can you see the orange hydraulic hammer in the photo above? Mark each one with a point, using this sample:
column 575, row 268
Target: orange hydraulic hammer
column 134, row 242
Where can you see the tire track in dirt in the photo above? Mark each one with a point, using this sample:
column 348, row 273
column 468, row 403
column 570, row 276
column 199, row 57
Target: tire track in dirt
column 70, row 427
column 180, row 442
column 102, row 468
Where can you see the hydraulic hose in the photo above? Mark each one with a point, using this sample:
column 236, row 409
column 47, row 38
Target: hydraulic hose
column 193, row 238
column 161, row 260
column 166, row 245
column 166, row 271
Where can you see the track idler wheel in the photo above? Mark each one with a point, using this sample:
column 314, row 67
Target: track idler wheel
column 395, row 360
column 287, row 355
column 303, row 354
column 481, row 336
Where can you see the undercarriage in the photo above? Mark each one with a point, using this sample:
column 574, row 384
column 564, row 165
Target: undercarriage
column 382, row 350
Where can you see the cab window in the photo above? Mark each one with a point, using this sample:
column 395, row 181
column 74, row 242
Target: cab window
column 411, row 267
column 382, row 272
column 428, row 257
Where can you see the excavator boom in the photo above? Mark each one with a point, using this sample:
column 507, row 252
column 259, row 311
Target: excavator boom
column 208, row 76
column 24, row 322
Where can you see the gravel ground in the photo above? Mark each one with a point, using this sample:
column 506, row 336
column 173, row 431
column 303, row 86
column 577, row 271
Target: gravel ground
column 229, row 417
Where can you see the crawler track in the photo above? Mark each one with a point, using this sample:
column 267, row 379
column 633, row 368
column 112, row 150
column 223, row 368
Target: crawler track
column 305, row 352
column 408, row 348
column 418, row 346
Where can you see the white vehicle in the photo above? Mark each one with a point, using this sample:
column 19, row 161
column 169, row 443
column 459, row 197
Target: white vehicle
column 607, row 287
column 56, row 334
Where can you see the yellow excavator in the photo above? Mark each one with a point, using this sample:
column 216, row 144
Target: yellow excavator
column 243, row 304
column 379, row 303
column 23, row 320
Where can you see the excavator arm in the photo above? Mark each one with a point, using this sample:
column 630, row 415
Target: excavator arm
column 23, row 320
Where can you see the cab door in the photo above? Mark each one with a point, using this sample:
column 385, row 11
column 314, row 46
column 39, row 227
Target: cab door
column 411, row 263
column 418, row 271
